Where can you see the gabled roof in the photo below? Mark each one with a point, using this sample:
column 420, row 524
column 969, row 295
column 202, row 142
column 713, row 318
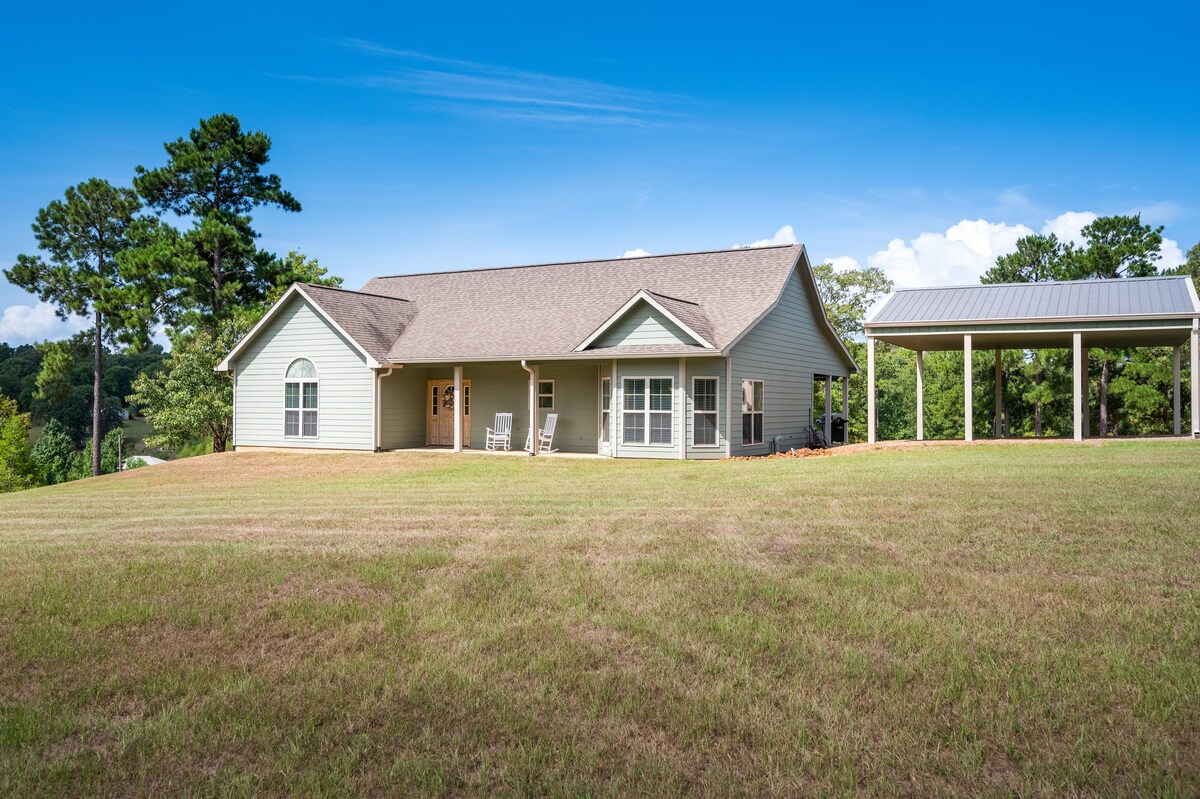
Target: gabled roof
column 1127, row 298
column 370, row 322
column 687, row 316
column 548, row 310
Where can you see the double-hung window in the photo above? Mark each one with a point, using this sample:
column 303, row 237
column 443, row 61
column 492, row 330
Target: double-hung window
column 546, row 394
column 301, row 404
column 648, row 409
column 704, row 411
column 752, row 411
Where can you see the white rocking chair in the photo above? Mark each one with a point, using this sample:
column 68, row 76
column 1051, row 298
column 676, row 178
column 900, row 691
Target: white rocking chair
column 545, row 435
column 501, row 434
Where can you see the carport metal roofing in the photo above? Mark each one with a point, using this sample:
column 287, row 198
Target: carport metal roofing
column 1151, row 311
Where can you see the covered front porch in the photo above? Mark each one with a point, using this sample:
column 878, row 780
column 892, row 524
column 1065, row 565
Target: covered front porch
column 631, row 407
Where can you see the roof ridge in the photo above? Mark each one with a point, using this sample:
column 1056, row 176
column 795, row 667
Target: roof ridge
column 1042, row 283
column 352, row 291
column 585, row 261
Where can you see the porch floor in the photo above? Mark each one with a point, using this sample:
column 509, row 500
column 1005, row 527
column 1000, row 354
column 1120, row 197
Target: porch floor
column 481, row 451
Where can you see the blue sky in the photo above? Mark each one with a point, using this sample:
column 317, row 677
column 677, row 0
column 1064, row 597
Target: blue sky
column 924, row 140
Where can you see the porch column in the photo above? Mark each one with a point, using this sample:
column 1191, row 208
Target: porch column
column 1077, row 339
column 968, row 397
column 1175, row 398
column 920, row 395
column 828, row 409
column 999, row 396
column 846, row 408
column 1084, row 388
column 1195, row 378
column 681, row 393
column 458, row 409
column 871, row 390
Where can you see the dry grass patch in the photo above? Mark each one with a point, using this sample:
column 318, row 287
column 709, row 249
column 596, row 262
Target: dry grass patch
column 951, row 620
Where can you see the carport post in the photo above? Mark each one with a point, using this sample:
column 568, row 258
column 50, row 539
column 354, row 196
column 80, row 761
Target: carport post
column 1077, row 384
column 871, row 389
column 846, row 409
column 828, row 409
column 999, row 395
column 920, row 395
column 458, row 408
column 968, row 399
column 1085, row 389
column 1195, row 378
column 1175, row 400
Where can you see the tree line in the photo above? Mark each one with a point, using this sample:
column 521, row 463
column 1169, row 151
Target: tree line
column 178, row 250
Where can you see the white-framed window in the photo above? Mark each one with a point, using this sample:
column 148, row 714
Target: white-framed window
column 301, row 400
column 647, row 410
column 752, row 411
column 704, row 412
column 605, row 408
column 546, row 394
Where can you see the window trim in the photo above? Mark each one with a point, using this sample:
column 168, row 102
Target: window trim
column 300, row 409
column 646, row 411
column 761, row 413
column 716, row 412
column 606, row 429
column 552, row 395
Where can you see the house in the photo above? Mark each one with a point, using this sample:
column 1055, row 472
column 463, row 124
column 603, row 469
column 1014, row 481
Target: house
column 695, row 355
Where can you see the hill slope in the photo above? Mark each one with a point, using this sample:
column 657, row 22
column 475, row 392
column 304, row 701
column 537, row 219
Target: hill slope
column 957, row 620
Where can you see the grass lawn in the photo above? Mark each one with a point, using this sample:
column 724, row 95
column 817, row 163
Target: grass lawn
column 987, row 619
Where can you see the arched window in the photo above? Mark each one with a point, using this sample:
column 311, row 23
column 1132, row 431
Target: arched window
column 300, row 399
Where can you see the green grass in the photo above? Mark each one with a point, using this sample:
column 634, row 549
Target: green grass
column 1016, row 620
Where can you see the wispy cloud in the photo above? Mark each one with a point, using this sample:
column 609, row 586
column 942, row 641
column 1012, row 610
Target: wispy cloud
column 506, row 93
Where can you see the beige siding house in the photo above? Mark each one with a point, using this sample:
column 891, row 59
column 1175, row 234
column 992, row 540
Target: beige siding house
column 697, row 355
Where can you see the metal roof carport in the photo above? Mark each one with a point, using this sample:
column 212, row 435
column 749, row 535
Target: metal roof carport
column 1076, row 314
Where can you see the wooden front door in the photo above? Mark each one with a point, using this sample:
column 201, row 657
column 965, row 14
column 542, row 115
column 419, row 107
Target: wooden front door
column 439, row 413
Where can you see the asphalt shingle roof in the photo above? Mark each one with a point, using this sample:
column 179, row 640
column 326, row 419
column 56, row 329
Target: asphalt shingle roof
column 374, row 321
column 1074, row 299
column 550, row 309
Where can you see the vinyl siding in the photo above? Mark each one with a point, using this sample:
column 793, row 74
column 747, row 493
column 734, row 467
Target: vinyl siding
column 643, row 324
column 346, row 393
column 402, row 409
column 784, row 350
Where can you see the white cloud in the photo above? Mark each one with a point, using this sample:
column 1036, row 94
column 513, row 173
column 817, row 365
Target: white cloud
column 1172, row 255
column 1069, row 226
column 958, row 256
column 785, row 235
column 843, row 263
column 22, row 324
column 638, row 253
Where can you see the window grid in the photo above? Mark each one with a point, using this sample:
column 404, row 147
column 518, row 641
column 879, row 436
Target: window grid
column 546, row 394
column 752, row 411
column 301, row 400
column 648, row 410
column 705, row 431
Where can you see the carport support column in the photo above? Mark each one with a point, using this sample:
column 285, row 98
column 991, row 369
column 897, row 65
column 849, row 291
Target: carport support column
column 920, row 395
column 828, row 409
column 1078, row 400
column 968, row 396
column 1195, row 378
column 1176, row 400
column 871, row 390
column 1085, row 388
column 999, row 396
column 458, row 409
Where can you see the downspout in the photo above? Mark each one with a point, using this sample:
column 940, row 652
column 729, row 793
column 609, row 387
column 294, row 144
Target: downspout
column 533, row 418
column 379, row 375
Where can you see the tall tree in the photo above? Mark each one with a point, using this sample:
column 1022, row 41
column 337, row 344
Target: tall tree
column 1036, row 259
column 1116, row 247
column 85, row 236
column 848, row 294
column 215, row 177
